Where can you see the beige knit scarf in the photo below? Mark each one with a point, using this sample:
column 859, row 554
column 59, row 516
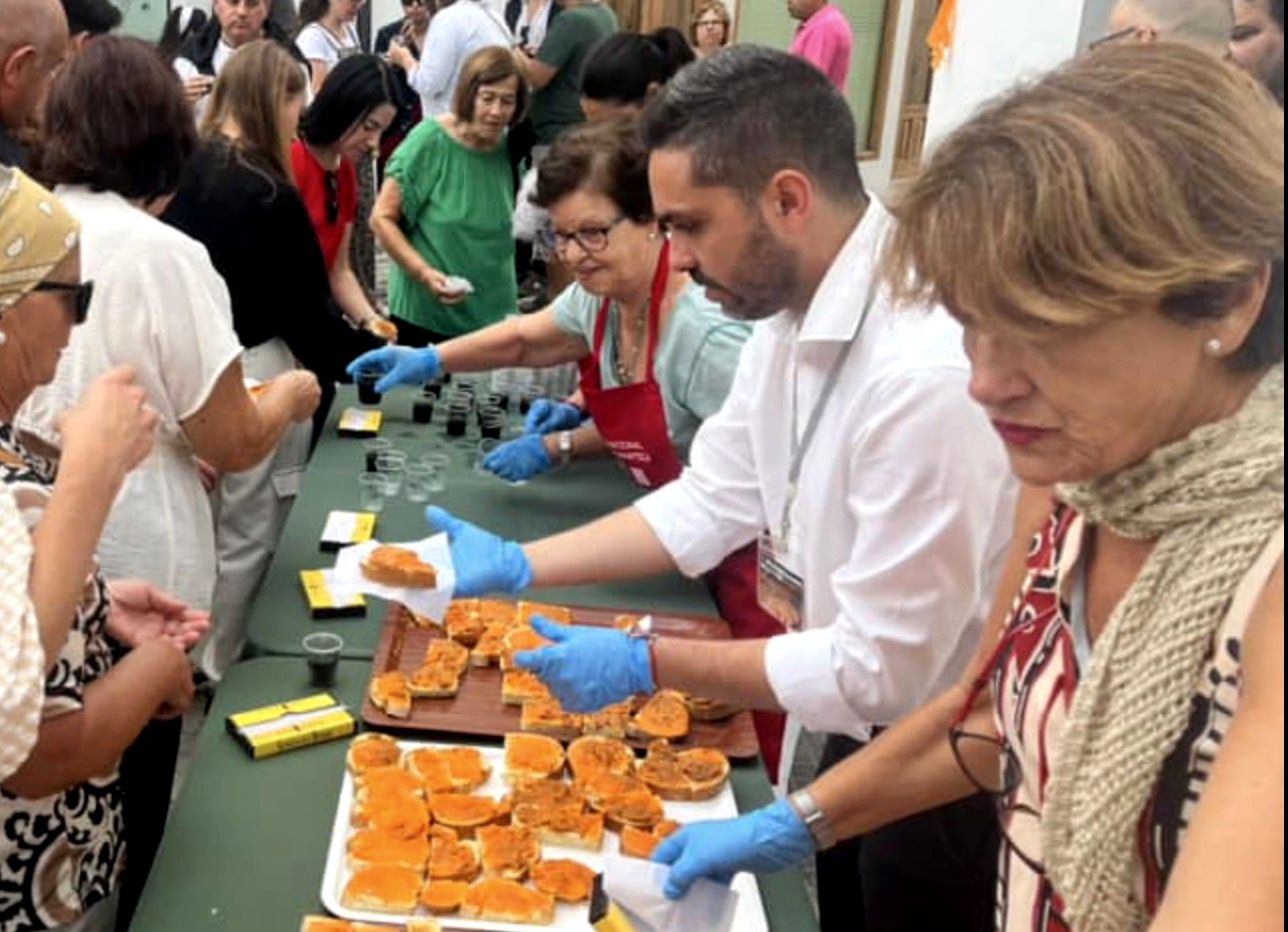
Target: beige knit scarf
column 1211, row 501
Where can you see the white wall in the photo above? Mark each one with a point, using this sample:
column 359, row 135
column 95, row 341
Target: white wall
column 996, row 43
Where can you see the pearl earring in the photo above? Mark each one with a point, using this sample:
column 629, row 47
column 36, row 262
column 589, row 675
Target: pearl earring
column 4, row 338
column 1212, row 347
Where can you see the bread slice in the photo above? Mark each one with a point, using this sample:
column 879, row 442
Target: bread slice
column 371, row 750
column 508, row 850
column 664, row 715
column 709, row 710
column 383, row 889
column 518, row 686
column 446, row 653
column 569, row 828
column 640, row 808
column 547, row 794
column 487, row 651
column 707, row 771
column 609, row 722
column 467, row 768
column 547, row 717
column 386, row 781
column 640, row 843
column 602, row 786
column 453, row 860
column 430, row 767
column 462, row 811
column 390, row 693
column 532, row 757
column 398, row 566
column 434, row 681
column 443, row 897
column 418, row 924
column 500, row 900
column 519, row 638
column 556, row 613
column 593, row 755
column 566, row 880
column 370, row 848
column 495, row 611
column 394, row 814
column 324, row 924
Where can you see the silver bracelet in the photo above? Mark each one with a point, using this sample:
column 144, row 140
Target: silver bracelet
column 815, row 819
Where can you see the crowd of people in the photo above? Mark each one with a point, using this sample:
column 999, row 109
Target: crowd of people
column 987, row 481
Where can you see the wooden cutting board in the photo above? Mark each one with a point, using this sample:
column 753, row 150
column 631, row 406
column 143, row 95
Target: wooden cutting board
column 477, row 708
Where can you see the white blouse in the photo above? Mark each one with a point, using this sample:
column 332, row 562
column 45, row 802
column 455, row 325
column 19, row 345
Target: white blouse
column 22, row 658
column 159, row 306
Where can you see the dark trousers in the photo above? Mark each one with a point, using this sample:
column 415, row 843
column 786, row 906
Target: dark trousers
column 147, row 774
column 932, row 871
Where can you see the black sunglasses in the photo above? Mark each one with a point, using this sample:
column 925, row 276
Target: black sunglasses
column 81, row 292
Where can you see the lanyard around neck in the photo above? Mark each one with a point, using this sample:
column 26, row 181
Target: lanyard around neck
column 799, row 447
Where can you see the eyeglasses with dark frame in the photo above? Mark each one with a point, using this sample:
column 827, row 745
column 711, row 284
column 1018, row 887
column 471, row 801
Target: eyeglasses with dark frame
column 1004, row 782
column 81, row 293
column 590, row 239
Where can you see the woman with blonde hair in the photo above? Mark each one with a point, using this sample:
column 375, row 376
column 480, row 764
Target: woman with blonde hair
column 237, row 198
column 1122, row 296
column 711, row 28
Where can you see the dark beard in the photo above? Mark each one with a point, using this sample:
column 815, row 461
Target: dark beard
column 768, row 278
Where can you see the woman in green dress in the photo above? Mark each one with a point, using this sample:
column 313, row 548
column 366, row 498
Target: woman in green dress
column 444, row 210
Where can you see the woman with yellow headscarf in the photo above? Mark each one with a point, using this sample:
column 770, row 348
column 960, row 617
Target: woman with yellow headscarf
column 55, row 609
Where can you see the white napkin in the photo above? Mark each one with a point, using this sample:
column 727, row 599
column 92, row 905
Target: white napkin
column 635, row 886
column 429, row 602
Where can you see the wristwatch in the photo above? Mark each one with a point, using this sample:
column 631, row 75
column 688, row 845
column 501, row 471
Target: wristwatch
column 565, row 447
column 815, row 819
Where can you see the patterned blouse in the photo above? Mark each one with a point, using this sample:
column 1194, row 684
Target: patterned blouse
column 60, row 854
column 1034, row 685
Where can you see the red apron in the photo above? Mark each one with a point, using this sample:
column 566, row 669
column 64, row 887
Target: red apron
column 632, row 421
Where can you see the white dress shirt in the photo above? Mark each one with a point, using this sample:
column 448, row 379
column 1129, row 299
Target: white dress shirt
column 904, row 505
column 22, row 656
column 455, row 33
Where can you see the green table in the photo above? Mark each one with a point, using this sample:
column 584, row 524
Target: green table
column 556, row 501
column 247, row 840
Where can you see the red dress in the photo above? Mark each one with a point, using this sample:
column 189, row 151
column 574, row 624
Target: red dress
column 331, row 197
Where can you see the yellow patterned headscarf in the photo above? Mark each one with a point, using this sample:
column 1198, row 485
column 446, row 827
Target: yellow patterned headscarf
column 36, row 233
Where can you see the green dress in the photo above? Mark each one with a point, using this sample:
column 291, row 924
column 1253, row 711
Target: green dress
column 457, row 204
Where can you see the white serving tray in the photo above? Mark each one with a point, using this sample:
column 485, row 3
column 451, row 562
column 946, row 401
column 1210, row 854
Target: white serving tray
column 748, row 917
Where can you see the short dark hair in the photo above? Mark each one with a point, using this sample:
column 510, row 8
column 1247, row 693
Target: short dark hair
column 752, row 111
column 608, row 158
column 488, row 65
column 97, row 17
column 625, row 65
column 116, row 119
column 352, row 89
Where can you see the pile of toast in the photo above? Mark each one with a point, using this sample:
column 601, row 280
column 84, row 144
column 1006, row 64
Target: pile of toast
column 424, row 838
column 488, row 632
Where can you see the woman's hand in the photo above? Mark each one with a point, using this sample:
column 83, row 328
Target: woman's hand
column 197, row 87
column 112, row 429
column 381, row 328
column 140, row 612
column 401, row 56
column 168, row 661
column 436, row 283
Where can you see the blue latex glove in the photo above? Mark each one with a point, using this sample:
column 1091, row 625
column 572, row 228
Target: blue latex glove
column 483, row 562
column 588, row 668
column 397, row 365
column 762, row 842
column 519, row 459
column 546, row 417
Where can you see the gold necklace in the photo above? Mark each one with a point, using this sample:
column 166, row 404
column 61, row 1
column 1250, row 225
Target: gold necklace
column 626, row 370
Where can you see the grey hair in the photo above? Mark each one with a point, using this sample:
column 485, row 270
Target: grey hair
column 749, row 112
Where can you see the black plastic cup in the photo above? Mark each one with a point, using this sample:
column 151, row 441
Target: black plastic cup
column 367, row 393
column 322, row 651
column 496, row 400
column 490, row 430
column 422, row 412
column 456, row 425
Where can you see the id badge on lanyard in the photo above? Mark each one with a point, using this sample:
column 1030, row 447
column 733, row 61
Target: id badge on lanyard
column 780, row 589
column 780, row 586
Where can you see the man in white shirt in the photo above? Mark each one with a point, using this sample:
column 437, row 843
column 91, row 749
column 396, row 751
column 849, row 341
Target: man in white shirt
column 848, row 446
column 455, row 33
